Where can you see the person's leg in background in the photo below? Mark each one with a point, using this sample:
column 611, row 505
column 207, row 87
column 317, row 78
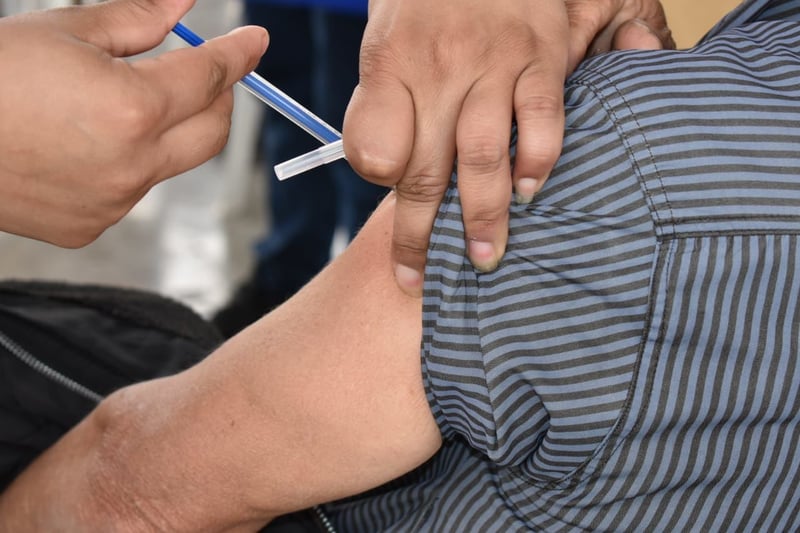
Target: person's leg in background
column 313, row 57
column 301, row 210
column 342, row 31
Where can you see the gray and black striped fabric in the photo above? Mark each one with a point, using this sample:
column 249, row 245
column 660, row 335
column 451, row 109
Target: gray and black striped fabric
column 632, row 365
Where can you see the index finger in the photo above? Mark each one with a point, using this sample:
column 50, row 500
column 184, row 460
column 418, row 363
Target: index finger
column 188, row 80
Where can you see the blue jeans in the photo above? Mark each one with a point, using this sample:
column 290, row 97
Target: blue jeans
column 313, row 57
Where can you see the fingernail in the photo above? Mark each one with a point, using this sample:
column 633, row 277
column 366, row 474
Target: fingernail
column 409, row 280
column 525, row 190
column 482, row 255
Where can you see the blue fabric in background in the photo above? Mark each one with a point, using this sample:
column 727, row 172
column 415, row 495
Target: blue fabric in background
column 350, row 6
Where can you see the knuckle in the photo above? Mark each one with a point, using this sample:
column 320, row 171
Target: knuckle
column 87, row 232
column 120, row 191
column 383, row 62
column 514, row 40
column 73, row 241
column 483, row 217
column 148, row 10
column 483, row 211
column 94, row 233
column 135, row 117
column 424, row 188
column 482, row 155
column 410, row 247
column 377, row 168
column 378, row 62
column 588, row 14
column 538, row 106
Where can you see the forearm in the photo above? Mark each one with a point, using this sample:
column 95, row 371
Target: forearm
column 70, row 485
column 132, row 465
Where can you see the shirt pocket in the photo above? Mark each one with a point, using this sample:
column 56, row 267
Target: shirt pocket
column 533, row 364
column 716, row 383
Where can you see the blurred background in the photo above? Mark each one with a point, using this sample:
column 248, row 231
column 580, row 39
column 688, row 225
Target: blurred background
column 190, row 238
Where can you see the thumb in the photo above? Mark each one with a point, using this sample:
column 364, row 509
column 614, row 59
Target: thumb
column 588, row 22
column 636, row 35
column 125, row 27
column 599, row 26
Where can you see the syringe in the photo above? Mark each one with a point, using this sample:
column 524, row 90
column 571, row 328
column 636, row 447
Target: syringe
column 289, row 108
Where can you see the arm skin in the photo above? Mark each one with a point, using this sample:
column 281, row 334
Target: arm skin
column 320, row 399
column 444, row 78
column 85, row 134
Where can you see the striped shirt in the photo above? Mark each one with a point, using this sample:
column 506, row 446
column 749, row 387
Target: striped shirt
column 632, row 365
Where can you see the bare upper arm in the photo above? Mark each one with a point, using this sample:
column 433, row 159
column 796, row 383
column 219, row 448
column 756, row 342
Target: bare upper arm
column 320, row 399
column 333, row 376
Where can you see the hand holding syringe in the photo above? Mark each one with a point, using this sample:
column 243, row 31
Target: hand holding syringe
column 332, row 148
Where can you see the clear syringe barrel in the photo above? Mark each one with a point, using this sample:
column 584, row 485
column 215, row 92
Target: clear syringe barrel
column 321, row 156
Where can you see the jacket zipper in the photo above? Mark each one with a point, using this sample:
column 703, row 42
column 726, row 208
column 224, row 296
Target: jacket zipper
column 54, row 375
column 50, row 373
column 324, row 521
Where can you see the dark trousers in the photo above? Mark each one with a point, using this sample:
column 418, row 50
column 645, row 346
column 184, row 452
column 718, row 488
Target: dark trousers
column 313, row 57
